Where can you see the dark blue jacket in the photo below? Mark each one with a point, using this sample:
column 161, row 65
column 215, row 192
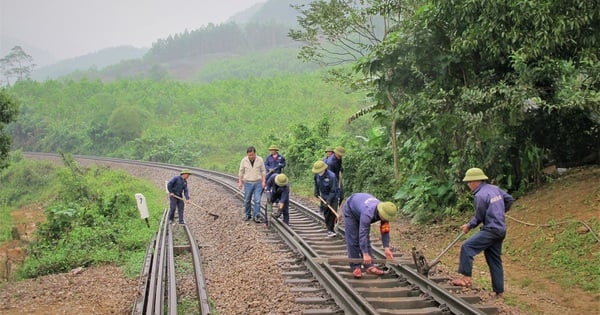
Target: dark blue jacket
column 491, row 203
column 274, row 165
column 278, row 194
column 326, row 186
column 178, row 186
column 335, row 165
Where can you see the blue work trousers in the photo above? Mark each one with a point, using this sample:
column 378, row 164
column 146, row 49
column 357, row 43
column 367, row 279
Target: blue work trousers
column 351, row 225
column 179, row 204
column 252, row 191
column 286, row 214
column 491, row 244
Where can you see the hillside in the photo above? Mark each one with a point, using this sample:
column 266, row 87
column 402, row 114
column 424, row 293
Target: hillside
column 258, row 29
column 548, row 229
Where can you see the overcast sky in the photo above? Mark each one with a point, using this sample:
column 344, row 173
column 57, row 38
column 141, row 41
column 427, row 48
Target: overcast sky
column 70, row 28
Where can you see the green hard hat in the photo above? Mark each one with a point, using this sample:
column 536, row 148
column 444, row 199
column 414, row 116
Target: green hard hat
column 273, row 147
column 340, row 151
column 281, row 180
column 319, row 167
column 185, row 171
column 387, row 210
column 474, row 174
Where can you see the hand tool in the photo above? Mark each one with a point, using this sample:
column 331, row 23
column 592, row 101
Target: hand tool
column 421, row 262
column 328, row 206
column 215, row 216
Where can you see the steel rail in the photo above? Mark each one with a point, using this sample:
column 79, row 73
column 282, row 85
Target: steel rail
column 144, row 279
column 201, row 291
column 160, row 269
column 171, row 278
column 345, row 297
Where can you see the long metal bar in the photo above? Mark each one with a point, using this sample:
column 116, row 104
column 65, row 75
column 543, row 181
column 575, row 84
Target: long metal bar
column 171, row 278
column 153, row 286
column 201, row 290
column 159, row 299
column 139, row 306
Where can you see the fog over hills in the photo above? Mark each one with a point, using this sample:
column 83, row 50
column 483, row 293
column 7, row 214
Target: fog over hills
column 69, row 29
column 40, row 56
column 97, row 60
column 47, row 67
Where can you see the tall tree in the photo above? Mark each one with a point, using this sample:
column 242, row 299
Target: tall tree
column 469, row 82
column 8, row 113
column 338, row 32
column 16, row 64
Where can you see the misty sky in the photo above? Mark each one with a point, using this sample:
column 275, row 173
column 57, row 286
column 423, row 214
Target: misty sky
column 70, row 28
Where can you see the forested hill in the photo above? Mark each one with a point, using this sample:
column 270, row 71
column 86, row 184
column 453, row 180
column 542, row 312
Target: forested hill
column 183, row 56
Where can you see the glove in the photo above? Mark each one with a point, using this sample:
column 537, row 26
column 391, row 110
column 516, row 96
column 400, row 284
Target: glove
column 317, row 194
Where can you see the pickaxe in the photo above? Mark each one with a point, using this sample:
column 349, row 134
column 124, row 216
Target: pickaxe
column 215, row 216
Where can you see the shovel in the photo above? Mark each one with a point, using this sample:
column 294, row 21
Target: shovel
column 215, row 216
column 421, row 262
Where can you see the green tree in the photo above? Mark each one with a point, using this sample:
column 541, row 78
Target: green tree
column 16, row 64
column 9, row 110
column 128, row 122
column 342, row 32
column 467, row 83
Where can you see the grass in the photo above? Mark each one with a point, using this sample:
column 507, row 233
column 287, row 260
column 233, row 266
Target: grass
column 91, row 218
column 6, row 224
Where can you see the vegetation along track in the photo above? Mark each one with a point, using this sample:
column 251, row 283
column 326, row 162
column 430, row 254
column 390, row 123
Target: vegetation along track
column 323, row 286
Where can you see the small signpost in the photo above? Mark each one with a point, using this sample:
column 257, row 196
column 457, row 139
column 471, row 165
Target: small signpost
column 142, row 207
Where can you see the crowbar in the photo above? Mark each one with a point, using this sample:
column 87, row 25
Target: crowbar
column 323, row 260
column 328, row 206
column 421, row 262
column 215, row 216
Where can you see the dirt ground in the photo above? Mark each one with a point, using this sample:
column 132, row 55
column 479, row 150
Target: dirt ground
column 572, row 196
column 530, row 287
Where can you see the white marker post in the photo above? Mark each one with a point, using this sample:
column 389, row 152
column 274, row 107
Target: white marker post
column 142, row 207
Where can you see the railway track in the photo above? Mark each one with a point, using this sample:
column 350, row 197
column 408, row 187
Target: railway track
column 172, row 248
column 307, row 263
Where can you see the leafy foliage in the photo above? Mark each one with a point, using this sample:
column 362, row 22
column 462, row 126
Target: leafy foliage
column 9, row 109
column 506, row 86
column 171, row 121
column 91, row 219
column 255, row 65
column 460, row 84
